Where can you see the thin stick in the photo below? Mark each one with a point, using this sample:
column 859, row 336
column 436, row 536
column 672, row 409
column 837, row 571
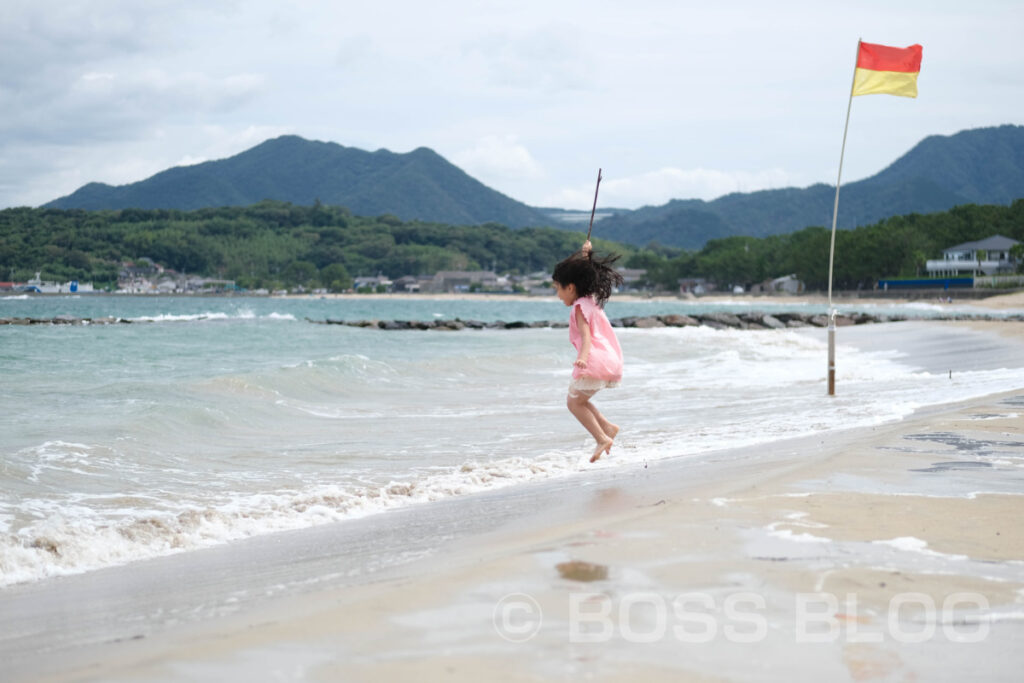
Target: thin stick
column 839, row 178
column 831, row 370
column 592, row 210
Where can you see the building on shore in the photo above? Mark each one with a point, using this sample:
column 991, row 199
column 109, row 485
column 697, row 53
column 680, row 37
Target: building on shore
column 451, row 281
column 990, row 256
column 787, row 284
column 376, row 283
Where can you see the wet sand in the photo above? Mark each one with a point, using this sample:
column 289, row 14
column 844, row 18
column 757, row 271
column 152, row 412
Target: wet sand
column 889, row 553
column 1003, row 301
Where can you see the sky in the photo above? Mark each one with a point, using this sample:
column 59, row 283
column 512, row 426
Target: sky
column 672, row 99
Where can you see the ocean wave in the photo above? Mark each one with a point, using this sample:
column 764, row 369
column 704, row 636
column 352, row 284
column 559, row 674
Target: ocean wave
column 71, row 536
column 185, row 317
column 244, row 314
column 75, row 542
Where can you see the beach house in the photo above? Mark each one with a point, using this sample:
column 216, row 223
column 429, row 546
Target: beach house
column 462, row 280
column 990, row 256
column 376, row 283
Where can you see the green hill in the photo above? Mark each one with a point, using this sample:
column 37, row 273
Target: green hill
column 273, row 244
column 419, row 185
column 981, row 166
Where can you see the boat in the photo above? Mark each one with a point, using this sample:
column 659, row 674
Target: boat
column 37, row 285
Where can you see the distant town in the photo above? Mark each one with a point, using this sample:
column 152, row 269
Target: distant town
column 145, row 276
column 988, row 263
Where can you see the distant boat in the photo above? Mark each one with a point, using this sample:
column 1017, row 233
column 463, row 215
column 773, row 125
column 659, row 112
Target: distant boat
column 37, row 285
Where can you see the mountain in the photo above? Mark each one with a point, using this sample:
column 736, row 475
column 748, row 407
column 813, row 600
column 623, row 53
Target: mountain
column 980, row 166
column 418, row 185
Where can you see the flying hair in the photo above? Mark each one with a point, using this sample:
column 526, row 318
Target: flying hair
column 593, row 276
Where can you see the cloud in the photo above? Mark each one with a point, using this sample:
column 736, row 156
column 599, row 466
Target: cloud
column 59, row 169
column 545, row 60
column 104, row 70
column 105, row 105
column 498, row 159
column 674, row 100
column 659, row 186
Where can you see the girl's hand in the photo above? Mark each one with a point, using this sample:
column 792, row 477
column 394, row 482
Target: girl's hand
column 580, row 363
column 587, row 247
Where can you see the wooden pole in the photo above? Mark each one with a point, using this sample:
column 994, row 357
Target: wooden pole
column 832, row 246
column 594, row 208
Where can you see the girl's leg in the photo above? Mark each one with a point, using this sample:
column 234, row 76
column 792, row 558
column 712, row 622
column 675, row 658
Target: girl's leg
column 607, row 427
column 581, row 408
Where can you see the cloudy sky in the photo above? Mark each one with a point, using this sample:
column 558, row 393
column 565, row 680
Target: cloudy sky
column 673, row 99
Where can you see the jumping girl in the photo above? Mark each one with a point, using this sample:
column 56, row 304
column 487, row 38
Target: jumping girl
column 584, row 283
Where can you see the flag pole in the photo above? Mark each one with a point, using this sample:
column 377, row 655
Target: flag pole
column 832, row 246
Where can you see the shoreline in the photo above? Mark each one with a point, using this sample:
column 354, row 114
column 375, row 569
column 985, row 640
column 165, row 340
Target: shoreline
column 812, row 540
column 924, row 506
column 849, row 523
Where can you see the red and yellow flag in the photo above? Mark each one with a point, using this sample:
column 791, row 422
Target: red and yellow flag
column 884, row 70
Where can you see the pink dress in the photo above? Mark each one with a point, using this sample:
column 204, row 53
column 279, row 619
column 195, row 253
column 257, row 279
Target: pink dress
column 604, row 366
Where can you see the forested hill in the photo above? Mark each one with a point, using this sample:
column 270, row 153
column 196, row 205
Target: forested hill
column 418, row 185
column 981, row 166
column 273, row 245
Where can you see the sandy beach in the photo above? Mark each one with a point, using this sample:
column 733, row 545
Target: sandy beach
column 1003, row 301
column 890, row 553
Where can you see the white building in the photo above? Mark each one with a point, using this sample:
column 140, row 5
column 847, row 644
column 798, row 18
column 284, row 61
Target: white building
column 373, row 283
column 787, row 283
column 990, row 256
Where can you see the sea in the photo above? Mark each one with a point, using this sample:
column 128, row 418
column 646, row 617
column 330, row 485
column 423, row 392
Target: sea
column 206, row 420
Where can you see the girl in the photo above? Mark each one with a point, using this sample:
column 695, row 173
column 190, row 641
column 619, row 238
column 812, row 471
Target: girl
column 585, row 283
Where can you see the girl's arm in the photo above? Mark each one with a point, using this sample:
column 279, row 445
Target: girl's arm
column 584, row 327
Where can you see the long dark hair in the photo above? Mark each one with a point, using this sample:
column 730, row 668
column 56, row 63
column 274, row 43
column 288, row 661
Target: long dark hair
column 591, row 275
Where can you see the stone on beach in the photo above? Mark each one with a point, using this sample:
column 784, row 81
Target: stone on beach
column 678, row 320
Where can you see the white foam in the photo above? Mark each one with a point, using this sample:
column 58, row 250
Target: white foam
column 185, row 317
column 242, row 314
column 71, row 538
column 911, row 544
column 788, row 535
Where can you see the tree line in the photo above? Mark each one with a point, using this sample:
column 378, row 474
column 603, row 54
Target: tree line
column 276, row 244
column 897, row 247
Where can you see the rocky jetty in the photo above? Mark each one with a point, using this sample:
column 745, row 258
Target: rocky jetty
column 716, row 320
column 63, row 320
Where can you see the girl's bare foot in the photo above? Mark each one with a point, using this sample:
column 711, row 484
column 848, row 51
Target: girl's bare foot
column 603, row 447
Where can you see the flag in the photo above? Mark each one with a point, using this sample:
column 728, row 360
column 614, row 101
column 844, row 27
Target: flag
column 887, row 70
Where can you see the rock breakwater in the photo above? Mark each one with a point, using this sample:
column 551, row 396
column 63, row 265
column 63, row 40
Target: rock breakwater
column 717, row 320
